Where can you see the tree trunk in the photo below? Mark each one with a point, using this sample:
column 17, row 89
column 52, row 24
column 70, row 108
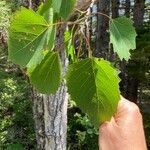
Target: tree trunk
column 127, row 8
column 50, row 112
column 138, row 13
column 102, row 39
column 132, row 89
column 115, row 8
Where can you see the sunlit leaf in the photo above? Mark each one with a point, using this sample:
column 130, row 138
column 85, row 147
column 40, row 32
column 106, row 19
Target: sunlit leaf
column 122, row 36
column 29, row 35
column 93, row 85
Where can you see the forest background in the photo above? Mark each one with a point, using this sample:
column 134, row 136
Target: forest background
column 17, row 127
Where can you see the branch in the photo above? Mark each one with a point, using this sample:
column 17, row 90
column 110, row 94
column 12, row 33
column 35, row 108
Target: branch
column 83, row 4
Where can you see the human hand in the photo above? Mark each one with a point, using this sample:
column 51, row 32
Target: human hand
column 125, row 130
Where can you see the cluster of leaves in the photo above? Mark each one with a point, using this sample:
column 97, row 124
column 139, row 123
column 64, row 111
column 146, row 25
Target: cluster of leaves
column 92, row 82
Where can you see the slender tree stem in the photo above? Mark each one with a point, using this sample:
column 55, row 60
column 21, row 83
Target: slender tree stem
column 78, row 22
column 99, row 13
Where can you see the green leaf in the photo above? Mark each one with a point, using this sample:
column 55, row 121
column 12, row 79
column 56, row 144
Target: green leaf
column 93, row 85
column 29, row 35
column 46, row 77
column 122, row 36
column 44, row 7
column 66, row 8
column 56, row 4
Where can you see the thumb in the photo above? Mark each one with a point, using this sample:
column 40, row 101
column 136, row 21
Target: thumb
column 126, row 112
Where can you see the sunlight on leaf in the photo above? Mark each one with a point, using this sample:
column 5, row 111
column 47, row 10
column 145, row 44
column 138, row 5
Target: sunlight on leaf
column 122, row 36
column 93, row 85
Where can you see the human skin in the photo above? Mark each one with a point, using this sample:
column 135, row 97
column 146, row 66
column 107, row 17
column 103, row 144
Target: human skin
column 125, row 130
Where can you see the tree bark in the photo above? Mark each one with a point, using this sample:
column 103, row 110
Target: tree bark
column 50, row 114
column 138, row 13
column 102, row 39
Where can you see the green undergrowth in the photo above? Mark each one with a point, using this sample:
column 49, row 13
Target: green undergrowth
column 81, row 133
column 16, row 120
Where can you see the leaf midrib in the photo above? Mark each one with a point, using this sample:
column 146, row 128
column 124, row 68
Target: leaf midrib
column 120, row 34
column 104, row 91
column 30, row 42
column 98, row 99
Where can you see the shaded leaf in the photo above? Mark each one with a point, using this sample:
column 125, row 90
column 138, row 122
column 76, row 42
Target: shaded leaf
column 93, row 85
column 46, row 76
column 122, row 36
column 56, row 4
column 66, row 8
column 44, row 7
